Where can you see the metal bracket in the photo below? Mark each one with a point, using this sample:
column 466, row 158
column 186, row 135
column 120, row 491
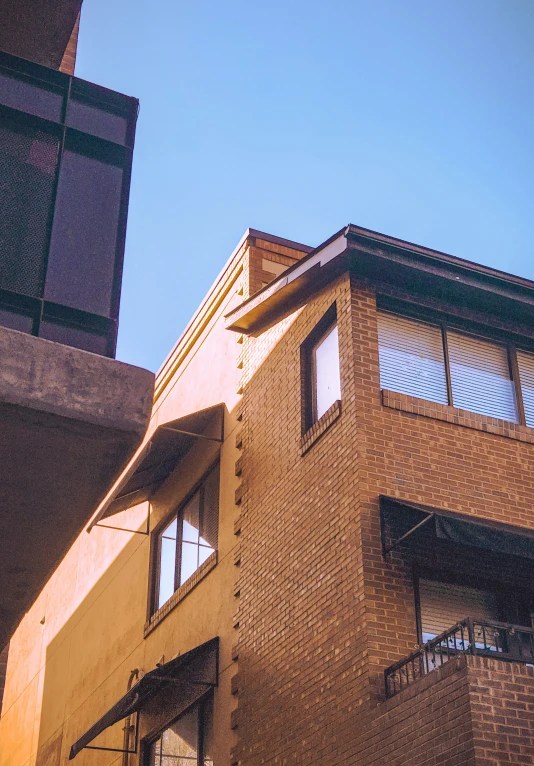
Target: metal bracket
column 120, row 749
column 388, row 548
column 144, row 532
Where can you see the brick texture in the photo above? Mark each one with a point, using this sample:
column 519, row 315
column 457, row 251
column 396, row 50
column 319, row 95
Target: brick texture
column 321, row 614
column 68, row 61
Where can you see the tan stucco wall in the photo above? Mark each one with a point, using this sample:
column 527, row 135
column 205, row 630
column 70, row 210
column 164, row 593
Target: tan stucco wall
column 72, row 655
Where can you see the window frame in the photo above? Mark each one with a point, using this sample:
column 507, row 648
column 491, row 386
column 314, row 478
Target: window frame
column 471, row 329
column 156, row 538
column 201, row 703
column 512, row 594
column 308, row 367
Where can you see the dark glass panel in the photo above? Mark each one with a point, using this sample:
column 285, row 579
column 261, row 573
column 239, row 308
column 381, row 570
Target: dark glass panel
column 32, row 97
column 15, row 321
column 91, row 118
column 73, row 336
column 84, row 235
column 28, row 161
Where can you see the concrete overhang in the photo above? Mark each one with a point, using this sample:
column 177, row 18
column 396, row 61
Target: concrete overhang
column 37, row 30
column 70, row 421
column 391, row 262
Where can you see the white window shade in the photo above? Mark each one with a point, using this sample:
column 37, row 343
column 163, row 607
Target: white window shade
column 526, row 375
column 326, row 371
column 444, row 604
column 480, row 377
column 411, row 358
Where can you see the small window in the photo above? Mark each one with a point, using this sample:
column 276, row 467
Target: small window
column 480, row 377
column 186, row 742
column 188, row 539
column 325, row 366
column 320, row 375
column 412, row 360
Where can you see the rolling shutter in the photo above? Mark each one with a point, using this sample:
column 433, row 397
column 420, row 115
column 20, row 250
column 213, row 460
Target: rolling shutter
column 444, row 604
column 411, row 358
column 480, row 377
column 526, row 375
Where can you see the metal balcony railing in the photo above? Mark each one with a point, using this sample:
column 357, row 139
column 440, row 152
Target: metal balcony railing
column 485, row 638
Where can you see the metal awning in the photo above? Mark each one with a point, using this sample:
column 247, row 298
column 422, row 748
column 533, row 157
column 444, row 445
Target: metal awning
column 159, row 457
column 400, row 519
column 198, row 666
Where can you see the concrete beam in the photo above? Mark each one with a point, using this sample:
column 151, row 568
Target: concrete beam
column 69, row 422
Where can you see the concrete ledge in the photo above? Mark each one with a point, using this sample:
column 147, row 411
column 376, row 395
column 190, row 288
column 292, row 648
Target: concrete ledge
column 66, row 381
column 69, row 423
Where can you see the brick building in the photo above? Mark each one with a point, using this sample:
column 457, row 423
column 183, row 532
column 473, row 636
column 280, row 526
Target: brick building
column 323, row 551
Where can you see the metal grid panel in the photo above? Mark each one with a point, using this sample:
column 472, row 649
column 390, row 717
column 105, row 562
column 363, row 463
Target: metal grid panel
column 28, row 163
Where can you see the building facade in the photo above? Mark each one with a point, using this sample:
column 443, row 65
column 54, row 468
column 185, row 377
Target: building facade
column 71, row 416
column 322, row 552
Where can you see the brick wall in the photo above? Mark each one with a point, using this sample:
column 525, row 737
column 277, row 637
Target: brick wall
column 428, row 723
column 502, row 710
column 319, row 613
column 69, row 57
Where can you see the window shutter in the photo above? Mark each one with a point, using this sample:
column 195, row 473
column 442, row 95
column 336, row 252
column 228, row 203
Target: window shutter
column 480, row 377
column 210, row 517
column 444, row 604
column 411, row 358
column 526, row 375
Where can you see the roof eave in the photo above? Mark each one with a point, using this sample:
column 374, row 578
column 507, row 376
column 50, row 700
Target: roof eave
column 385, row 260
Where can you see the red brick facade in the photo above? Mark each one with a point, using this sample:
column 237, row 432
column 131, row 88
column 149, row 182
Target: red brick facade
column 319, row 612
column 68, row 61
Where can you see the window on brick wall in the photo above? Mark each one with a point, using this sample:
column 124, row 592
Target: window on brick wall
column 320, row 369
column 186, row 742
column 443, row 364
column 187, row 539
column 442, row 603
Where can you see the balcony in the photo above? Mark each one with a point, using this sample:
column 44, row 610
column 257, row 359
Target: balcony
column 498, row 640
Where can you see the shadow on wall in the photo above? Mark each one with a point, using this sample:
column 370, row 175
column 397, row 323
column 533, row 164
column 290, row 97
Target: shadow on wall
column 90, row 658
column 287, row 643
column 101, row 640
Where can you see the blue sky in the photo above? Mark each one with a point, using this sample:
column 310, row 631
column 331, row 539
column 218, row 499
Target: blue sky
column 411, row 117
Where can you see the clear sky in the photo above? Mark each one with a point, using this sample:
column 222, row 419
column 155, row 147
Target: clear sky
column 411, row 117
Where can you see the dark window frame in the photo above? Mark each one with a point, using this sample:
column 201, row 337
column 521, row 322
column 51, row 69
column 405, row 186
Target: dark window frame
column 307, row 367
column 202, row 704
column 473, row 330
column 156, row 538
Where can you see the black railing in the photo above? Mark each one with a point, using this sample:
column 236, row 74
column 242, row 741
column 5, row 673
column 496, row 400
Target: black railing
column 485, row 638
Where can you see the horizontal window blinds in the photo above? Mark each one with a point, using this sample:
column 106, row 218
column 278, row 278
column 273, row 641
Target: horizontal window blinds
column 444, row 604
column 480, row 377
column 526, row 375
column 411, row 358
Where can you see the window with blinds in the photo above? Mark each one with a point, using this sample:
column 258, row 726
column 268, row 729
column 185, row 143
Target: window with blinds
column 480, row 377
column 526, row 374
column 411, row 358
column 444, row 604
